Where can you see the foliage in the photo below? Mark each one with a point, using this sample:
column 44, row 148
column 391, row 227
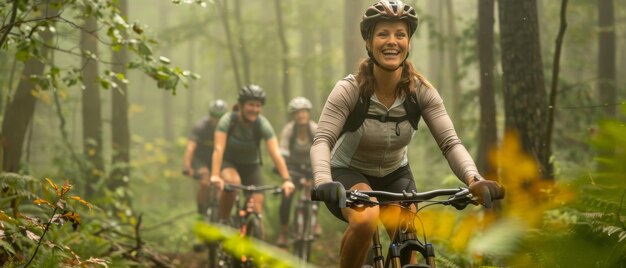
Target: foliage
column 36, row 236
column 34, row 20
column 234, row 243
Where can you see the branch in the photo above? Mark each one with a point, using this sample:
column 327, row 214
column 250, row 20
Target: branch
column 45, row 230
column 11, row 23
column 555, row 73
column 66, row 141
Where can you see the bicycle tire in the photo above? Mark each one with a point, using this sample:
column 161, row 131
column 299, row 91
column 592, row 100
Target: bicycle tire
column 254, row 227
column 213, row 255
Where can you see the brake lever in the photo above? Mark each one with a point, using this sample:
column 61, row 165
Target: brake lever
column 355, row 198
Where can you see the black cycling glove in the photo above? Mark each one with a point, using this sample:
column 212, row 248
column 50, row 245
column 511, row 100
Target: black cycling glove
column 486, row 191
column 332, row 193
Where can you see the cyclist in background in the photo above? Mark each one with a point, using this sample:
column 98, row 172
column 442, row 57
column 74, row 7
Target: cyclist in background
column 295, row 145
column 199, row 151
column 236, row 153
column 374, row 155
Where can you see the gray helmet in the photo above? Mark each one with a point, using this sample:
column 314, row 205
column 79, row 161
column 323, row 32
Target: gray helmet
column 218, row 108
column 388, row 10
column 251, row 92
column 299, row 103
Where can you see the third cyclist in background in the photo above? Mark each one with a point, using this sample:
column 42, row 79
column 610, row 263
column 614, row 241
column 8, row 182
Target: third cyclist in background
column 199, row 151
column 295, row 146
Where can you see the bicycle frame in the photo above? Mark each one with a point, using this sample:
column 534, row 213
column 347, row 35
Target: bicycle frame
column 246, row 219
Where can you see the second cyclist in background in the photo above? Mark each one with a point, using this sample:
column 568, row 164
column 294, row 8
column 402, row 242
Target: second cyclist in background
column 199, row 152
column 295, row 146
column 236, row 153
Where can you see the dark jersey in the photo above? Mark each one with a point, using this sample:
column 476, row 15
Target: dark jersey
column 202, row 134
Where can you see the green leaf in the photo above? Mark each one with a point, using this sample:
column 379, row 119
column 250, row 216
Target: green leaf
column 22, row 55
column 144, row 50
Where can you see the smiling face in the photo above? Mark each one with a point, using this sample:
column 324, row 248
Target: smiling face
column 390, row 43
column 250, row 110
column 301, row 117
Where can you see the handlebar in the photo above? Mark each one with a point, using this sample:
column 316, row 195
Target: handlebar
column 253, row 188
column 456, row 197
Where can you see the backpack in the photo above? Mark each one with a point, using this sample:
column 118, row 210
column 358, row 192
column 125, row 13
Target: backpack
column 360, row 112
column 256, row 130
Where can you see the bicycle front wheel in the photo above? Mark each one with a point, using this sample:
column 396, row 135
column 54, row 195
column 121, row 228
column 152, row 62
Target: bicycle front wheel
column 254, row 227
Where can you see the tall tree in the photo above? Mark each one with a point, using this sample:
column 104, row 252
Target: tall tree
column 326, row 66
column 455, row 86
column 606, row 56
column 91, row 110
column 120, row 133
column 307, row 53
column 167, row 111
column 285, row 53
column 353, row 45
column 190, row 107
column 487, row 127
column 222, row 10
column 523, row 79
column 245, row 58
column 20, row 108
column 435, row 43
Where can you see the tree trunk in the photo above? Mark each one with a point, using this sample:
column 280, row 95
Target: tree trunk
column 223, row 13
column 353, row 45
column 120, row 133
column 606, row 57
column 285, row 54
column 92, row 118
column 20, row 109
column 523, row 80
column 245, row 59
column 168, row 126
column 327, row 70
column 488, row 130
column 190, row 107
column 307, row 52
column 455, row 87
column 435, row 46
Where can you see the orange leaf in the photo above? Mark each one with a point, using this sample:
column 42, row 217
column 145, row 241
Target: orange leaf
column 72, row 216
column 40, row 201
column 56, row 188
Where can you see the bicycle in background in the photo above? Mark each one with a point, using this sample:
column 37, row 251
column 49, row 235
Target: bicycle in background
column 305, row 219
column 246, row 220
column 210, row 216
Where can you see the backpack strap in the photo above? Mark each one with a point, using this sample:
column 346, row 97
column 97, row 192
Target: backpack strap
column 357, row 115
column 360, row 112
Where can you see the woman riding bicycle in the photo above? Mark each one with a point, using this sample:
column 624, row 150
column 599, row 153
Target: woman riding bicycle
column 295, row 146
column 236, row 155
column 199, row 152
column 373, row 156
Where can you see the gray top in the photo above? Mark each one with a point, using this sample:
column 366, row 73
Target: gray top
column 374, row 149
column 301, row 150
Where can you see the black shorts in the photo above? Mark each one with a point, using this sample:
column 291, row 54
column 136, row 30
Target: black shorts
column 397, row 181
column 197, row 163
column 250, row 174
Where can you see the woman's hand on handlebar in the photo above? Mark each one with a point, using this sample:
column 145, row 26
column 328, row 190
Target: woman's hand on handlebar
column 331, row 193
column 218, row 182
column 288, row 187
column 486, row 190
